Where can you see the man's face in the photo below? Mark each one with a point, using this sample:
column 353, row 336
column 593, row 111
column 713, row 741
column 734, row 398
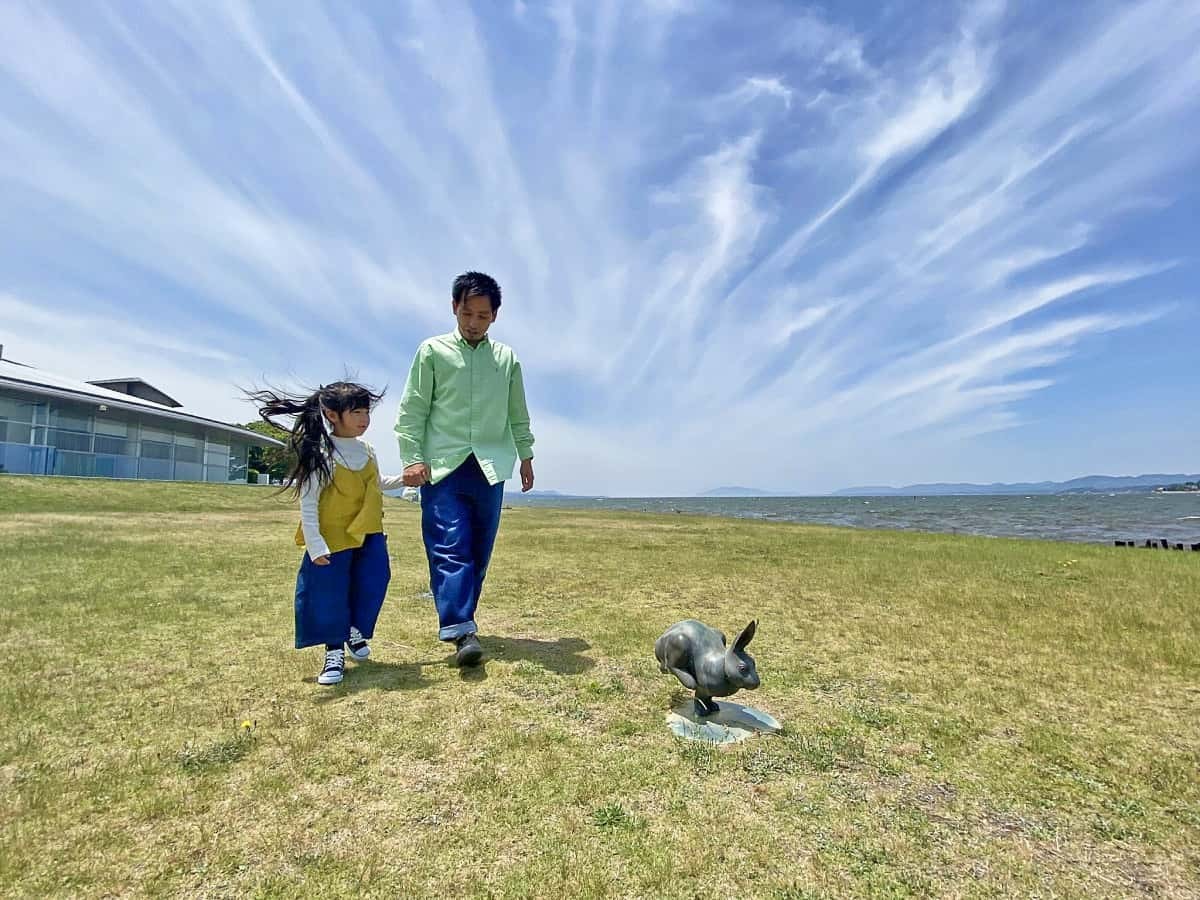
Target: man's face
column 474, row 315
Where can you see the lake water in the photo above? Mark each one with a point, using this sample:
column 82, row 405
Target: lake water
column 1100, row 518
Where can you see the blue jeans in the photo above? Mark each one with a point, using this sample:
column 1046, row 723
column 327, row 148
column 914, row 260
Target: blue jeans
column 348, row 591
column 459, row 518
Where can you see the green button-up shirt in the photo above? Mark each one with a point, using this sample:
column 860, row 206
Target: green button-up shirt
column 461, row 400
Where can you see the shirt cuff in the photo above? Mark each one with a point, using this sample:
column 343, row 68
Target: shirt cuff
column 391, row 482
column 314, row 543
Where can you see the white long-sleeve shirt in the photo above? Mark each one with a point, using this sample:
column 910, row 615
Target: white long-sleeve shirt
column 353, row 453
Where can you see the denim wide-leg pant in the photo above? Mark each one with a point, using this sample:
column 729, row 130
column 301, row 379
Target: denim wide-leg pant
column 348, row 591
column 459, row 519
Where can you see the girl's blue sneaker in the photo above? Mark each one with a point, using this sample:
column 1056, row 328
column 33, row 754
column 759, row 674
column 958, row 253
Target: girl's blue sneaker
column 357, row 646
column 335, row 664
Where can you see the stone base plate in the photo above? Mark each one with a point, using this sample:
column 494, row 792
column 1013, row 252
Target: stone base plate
column 730, row 724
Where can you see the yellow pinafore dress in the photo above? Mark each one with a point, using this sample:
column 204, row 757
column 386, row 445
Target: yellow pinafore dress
column 350, row 590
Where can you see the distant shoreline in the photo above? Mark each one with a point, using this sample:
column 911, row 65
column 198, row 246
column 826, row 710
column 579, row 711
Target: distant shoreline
column 1075, row 517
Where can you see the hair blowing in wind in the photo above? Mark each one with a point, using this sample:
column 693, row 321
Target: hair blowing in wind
column 308, row 436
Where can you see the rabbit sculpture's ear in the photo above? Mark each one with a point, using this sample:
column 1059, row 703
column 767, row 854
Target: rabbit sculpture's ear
column 744, row 638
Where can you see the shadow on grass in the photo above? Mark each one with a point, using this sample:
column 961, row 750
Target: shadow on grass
column 376, row 676
column 563, row 656
column 471, row 673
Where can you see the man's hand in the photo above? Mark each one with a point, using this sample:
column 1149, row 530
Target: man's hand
column 526, row 475
column 416, row 475
column 321, row 561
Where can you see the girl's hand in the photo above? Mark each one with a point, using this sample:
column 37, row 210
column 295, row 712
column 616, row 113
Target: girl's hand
column 416, row 474
column 321, row 561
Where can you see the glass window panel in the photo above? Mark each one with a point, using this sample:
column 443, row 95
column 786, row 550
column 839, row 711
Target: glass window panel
column 114, row 445
column 217, row 454
column 237, row 462
column 17, row 432
column 159, row 469
column 155, row 450
column 157, row 434
column 184, row 453
column 69, row 440
column 216, row 473
column 79, row 464
column 117, row 466
column 112, row 427
column 72, row 420
column 15, row 409
column 188, row 471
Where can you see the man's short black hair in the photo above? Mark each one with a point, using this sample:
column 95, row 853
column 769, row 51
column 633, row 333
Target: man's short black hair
column 476, row 284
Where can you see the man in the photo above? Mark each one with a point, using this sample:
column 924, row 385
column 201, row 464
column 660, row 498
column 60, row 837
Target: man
column 462, row 426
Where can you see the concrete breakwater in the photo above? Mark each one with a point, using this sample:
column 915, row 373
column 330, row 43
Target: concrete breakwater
column 1158, row 543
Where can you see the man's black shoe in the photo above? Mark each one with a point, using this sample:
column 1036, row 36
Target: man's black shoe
column 469, row 651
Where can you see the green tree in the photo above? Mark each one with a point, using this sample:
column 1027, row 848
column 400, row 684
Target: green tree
column 278, row 461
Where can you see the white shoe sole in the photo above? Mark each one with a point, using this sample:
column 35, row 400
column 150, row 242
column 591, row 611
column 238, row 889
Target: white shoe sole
column 332, row 678
column 358, row 657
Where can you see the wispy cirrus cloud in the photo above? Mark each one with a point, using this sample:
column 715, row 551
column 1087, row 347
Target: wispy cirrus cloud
column 755, row 87
column 829, row 249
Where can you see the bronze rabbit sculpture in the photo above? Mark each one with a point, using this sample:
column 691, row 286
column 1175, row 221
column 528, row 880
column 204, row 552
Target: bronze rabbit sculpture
column 698, row 656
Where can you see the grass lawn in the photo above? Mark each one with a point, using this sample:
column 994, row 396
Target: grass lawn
column 963, row 716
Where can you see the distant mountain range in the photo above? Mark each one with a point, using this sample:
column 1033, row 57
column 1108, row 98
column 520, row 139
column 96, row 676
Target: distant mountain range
column 1086, row 484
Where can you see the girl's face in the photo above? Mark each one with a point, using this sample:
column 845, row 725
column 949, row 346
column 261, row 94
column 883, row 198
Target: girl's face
column 351, row 423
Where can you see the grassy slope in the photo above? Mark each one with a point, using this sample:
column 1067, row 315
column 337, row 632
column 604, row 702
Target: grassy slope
column 964, row 716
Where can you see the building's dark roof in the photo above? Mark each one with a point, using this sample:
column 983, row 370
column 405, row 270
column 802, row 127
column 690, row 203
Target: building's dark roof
column 38, row 381
column 138, row 387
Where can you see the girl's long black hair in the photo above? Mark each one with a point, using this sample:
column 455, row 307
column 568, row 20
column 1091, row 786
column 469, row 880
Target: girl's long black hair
column 309, row 438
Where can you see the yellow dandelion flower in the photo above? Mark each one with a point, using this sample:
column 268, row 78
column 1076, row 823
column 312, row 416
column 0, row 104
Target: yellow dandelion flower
column 246, row 723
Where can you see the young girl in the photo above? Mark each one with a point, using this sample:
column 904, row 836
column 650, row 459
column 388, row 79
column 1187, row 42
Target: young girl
column 345, row 572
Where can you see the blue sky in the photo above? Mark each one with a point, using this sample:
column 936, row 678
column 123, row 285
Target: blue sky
column 786, row 245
